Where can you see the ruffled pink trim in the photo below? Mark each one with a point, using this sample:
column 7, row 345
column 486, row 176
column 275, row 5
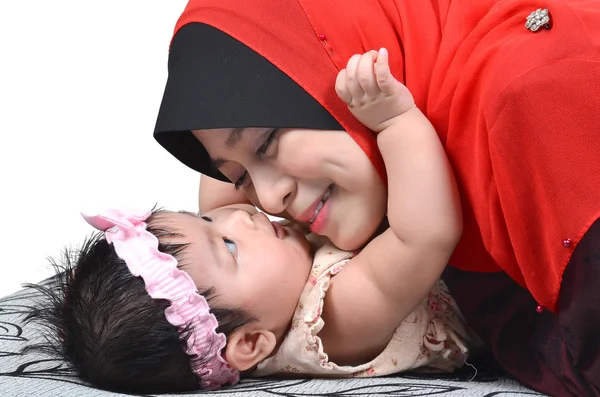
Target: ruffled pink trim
column 126, row 230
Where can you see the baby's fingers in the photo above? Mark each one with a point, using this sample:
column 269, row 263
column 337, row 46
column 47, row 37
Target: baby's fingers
column 352, row 78
column 366, row 74
column 385, row 80
column 341, row 87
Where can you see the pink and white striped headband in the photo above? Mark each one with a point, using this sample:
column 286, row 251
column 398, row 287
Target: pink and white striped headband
column 126, row 230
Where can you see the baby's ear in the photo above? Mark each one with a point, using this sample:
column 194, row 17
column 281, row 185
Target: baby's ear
column 248, row 346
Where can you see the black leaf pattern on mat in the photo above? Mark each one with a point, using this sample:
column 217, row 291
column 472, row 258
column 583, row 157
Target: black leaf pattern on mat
column 11, row 332
column 6, row 310
column 294, row 388
column 14, row 364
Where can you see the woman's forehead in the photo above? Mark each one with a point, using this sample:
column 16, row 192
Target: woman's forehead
column 231, row 134
column 221, row 142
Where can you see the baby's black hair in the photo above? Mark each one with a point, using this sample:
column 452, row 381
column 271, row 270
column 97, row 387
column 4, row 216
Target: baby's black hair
column 99, row 318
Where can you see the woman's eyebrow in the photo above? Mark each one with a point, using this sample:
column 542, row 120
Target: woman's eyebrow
column 218, row 163
column 234, row 137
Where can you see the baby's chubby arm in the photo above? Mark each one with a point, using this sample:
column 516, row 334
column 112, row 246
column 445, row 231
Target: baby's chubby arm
column 369, row 299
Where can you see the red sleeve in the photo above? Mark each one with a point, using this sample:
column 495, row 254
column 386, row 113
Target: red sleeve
column 544, row 146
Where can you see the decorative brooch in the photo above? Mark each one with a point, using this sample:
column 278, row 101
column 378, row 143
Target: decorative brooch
column 538, row 19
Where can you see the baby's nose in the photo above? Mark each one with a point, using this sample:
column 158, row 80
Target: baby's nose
column 242, row 217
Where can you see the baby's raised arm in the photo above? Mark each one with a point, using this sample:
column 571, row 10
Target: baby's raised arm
column 394, row 272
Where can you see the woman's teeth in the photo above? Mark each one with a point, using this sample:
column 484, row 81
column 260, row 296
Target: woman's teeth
column 325, row 197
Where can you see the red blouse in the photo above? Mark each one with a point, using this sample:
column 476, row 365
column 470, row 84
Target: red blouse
column 518, row 112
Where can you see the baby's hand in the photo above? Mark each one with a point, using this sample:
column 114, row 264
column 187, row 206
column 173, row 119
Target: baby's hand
column 373, row 95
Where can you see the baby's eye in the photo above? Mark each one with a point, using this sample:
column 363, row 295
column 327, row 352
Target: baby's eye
column 230, row 246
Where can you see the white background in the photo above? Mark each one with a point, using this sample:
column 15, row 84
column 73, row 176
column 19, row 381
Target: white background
column 80, row 87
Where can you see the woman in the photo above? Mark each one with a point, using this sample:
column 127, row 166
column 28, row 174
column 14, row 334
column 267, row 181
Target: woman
column 512, row 94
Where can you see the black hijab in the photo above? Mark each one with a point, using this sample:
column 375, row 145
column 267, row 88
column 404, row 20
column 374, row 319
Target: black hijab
column 217, row 82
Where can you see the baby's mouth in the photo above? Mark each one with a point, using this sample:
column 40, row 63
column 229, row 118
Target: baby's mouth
column 280, row 231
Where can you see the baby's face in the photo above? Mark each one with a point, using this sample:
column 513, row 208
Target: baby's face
column 252, row 263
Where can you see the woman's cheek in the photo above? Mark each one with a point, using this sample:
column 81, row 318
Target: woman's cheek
column 290, row 161
column 251, row 194
column 299, row 157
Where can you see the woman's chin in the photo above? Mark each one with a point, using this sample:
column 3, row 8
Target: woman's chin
column 349, row 242
column 355, row 236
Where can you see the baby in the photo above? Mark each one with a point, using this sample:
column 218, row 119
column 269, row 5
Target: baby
column 173, row 301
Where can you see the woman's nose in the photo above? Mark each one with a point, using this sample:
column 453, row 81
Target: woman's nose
column 274, row 193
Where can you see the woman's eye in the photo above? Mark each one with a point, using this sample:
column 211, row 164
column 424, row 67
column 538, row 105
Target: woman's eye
column 230, row 246
column 206, row 218
column 244, row 180
column 241, row 181
column 262, row 150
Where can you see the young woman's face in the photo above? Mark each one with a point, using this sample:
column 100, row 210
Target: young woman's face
column 320, row 178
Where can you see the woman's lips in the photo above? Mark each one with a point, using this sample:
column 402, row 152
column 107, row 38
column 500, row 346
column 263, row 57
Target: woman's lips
column 311, row 212
column 320, row 222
